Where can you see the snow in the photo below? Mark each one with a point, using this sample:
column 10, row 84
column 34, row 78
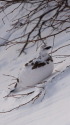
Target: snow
column 53, row 105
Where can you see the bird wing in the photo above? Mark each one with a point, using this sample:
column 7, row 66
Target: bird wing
column 37, row 63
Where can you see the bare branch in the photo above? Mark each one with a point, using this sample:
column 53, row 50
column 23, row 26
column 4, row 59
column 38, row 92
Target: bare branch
column 38, row 17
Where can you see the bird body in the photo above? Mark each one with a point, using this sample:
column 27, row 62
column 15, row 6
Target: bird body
column 36, row 70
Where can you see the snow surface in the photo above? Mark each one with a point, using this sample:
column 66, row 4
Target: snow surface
column 53, row 105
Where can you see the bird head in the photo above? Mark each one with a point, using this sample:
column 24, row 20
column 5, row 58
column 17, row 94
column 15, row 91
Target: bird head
column 44, row 50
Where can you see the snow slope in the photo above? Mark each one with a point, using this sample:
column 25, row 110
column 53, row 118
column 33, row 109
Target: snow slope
column 53, row 105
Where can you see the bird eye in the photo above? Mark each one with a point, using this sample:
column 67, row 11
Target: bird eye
column 48, row 47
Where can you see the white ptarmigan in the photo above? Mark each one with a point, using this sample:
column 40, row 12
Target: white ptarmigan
column 35, row 70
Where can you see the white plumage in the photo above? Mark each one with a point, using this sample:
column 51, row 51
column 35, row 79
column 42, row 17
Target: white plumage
column 36, row 70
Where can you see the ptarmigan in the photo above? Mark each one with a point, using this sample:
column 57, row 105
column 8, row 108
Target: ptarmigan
column 35, row 70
